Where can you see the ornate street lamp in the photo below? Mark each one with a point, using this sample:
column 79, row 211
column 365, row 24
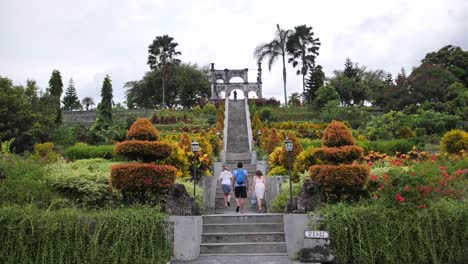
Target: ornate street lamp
column 289, row 148
column 195, row 148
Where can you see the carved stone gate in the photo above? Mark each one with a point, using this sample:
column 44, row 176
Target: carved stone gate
column 227, row 87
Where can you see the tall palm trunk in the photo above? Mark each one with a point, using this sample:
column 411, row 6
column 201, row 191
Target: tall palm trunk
column 284, row 81
column 164, row 88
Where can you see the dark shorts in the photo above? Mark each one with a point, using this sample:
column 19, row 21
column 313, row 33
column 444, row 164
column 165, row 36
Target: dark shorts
column 240, row 192
column 226, row 188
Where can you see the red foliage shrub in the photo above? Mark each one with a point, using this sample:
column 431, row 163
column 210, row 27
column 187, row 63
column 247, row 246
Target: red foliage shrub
column 145, row 150
column 141, row 178
column 340, row 182
column 337, row 135
column 142, row 129
column 339, row 155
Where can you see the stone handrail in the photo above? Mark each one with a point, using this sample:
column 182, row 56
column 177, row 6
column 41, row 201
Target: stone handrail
column 249, row 125
column 225, row 131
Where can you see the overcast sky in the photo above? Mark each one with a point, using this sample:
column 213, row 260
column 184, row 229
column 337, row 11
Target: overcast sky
column 87, row 39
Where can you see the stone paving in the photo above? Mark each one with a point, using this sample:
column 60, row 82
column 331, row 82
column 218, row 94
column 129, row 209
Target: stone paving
column 239, row 260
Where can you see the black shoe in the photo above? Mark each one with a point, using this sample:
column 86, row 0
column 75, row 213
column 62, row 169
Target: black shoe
column 237, row 209
column 229, row 204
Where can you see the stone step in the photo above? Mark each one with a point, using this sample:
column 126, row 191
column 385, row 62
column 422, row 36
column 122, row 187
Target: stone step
column 243, row 227
column 243, row 237
column 243, row 248
column 256, row 218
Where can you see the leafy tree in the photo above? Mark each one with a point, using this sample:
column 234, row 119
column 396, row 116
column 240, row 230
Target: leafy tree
column 313, row 83
column 325, row 94
column 356, row 115
column 350, row 85
column 55, row 90
column 105, row 106
column 162, row 52
column 193, row 84
column 376, row 83
column 452, row 58
column 351, row 70
column 71, row 100
column 24, row 115
column 398, row 95
column 87, row 102
column 430, row 82
column 303, row 48
column 294, row 99
column 274, row 49
column 187, row 83
column 389, row 79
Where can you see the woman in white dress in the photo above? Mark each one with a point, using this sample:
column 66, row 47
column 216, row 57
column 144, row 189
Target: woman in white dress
column 259, row 187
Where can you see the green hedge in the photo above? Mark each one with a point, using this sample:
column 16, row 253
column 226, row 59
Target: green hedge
column 374, row 234
column 388, row 146
column 130, row 235
column 84, row 151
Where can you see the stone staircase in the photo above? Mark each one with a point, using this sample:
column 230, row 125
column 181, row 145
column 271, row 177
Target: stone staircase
column 230, row 233
column 237, row 146
column 247, row 234
column 219, row 198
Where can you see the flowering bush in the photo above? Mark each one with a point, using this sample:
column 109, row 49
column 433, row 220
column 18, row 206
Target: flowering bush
column 142, row 129
column 420, row 183
column 340, row 182
column 147, row 151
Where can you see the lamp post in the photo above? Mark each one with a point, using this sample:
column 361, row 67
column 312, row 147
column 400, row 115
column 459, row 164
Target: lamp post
column 259, row 132
column 195, row 148
column 289, row 147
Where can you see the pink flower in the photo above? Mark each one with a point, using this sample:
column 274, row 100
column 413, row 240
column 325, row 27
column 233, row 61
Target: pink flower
column 443, row 168
column 407, row 188
column 399, row 198
column 374, row 178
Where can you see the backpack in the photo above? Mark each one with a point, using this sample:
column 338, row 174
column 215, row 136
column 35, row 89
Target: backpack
column 240, row 177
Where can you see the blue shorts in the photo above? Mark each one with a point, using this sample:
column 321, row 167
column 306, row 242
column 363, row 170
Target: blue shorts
column 226, row 188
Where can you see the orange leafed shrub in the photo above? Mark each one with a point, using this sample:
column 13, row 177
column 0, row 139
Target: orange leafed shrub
column 145, row 150
column 337, row 135
column 340, row 182
column 273, row 141
column 339, row 155
column 142, row 129
column 138, row 178
column 185, row 142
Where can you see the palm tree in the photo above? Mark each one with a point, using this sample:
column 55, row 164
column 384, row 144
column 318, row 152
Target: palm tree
column 274, row 49
column 162, row 52
column 303, row 48
column 87, row 101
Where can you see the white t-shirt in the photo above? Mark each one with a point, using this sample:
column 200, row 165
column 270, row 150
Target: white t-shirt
column 226, row 176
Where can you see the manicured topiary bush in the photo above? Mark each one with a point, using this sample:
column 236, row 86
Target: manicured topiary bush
column 142, row 129
column 141, row 177
column 340, row 182
column 337, row 179
column 454, row 141
column 338, row 155
column 337, row 135
column 143, row 182
column 145, row 151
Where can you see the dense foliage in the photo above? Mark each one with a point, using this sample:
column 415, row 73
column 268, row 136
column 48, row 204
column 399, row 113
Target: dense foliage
column 124, row 235
column 376, row 234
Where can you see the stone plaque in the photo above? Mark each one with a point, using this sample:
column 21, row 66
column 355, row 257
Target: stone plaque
column 316, row 234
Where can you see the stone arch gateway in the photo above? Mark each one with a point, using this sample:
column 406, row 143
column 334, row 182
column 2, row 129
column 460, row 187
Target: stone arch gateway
column 227, row 87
